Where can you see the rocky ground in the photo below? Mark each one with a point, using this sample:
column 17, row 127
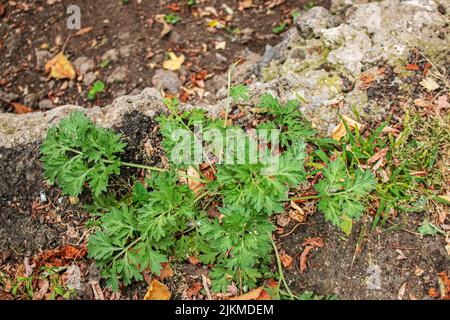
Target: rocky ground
column 370, row 61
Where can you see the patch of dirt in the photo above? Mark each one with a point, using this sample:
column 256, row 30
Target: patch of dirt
column 340, row 268
column 33, row 30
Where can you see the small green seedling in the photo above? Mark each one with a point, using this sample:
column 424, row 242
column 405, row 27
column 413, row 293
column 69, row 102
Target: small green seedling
column 98, row 87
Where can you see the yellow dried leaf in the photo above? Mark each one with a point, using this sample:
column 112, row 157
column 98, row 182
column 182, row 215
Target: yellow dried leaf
column 174, row 63
column 340, row 130
column 157, row 291
column 60, row 67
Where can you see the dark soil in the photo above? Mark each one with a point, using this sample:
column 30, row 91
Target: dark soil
column 344, row 266
column 132, row 29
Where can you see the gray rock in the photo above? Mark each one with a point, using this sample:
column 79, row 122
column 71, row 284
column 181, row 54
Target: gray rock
column 110, row 55
column 167, row 80
column 310, row 23
column 8, row 97
column 45, row 104
column 42, row 57
column 83, row 65
column 126, row 51
column 118, row 75
column 89, row 78
column 30, row 100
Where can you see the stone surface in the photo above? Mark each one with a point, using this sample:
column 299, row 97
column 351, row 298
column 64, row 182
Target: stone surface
column 166, row 80
column 118, row 75
column 83, row 65
column 89, row 78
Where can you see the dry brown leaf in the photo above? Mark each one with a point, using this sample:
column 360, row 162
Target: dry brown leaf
column 194, row 289
column 166, row 27
column 377, row 156
column 71, row 253
column 252, row 295
column 286, row 259
column 174, row 62
column 157, row 291
column 283, row 220
column 297, row 213
column 444, row 282
column 166, row 272
column 315, row 242
column 273, row 3
column 83, row 31
column 303, row 258
column 339, row 132
column 245, row 4
column 20, row 108
column 193, row 183
column 401, row 292
column 60, row 67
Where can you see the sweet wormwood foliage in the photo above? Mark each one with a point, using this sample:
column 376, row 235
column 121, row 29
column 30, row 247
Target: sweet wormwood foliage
column 166, row 219
column 340, row 194
column 77, row 151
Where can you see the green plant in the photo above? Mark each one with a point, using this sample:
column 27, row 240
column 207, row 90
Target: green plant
column 280, row 28
column 164, row 218
column 97, row 87
column 172, row 18
column 341, row 195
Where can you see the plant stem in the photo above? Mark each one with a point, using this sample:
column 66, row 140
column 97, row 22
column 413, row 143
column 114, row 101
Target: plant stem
column 304, row 198
column 280, row 269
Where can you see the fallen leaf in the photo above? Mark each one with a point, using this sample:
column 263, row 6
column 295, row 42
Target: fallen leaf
column 20, row 108
column 429, row 84
column 220, row 45
column 412, row 66
column 173, row 63
column 157, row 291
column 245, row 4
column 381, row 154
column 297, row 213
column 2, row 10
column 442, row 103
column 194, row 184
column 367, row 78
column 166, row 272
column 83, row 31
column 193, row 260
column 174, row 6
column 283, row 220
column 252, row 295
column 401, row 292
column 286, row 259
column 315, row 242
column 340, row 131
column 444, row 283
column 433, row 293
column 71, row 253
column 422, row 103
column 60, row 67
column 44, row 285
column 166, row 27
column 194, row 289
column 273, row 3
column 303, row 258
